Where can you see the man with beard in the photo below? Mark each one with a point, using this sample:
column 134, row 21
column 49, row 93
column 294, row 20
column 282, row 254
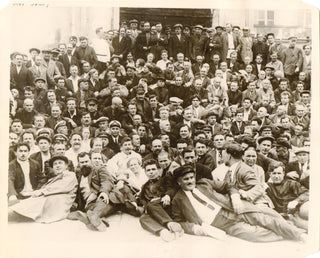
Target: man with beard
column 156, row 148
column 143, row 42
column 97, row 194
column 75, row 149
column 282, row 148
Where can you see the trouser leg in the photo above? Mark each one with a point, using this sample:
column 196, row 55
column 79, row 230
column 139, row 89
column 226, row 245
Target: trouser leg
column 150, row 224
column 234, row 225
column 277, row 225
column 156, row 211
column 102, row 209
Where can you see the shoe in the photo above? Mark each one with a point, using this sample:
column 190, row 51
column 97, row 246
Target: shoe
column 78, row 215
column 96, row 221
column 104, row 220
column 166, row 235
column 174, row 227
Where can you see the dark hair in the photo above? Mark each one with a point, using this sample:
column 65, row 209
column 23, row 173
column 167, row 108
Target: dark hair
column 201, row 141
column 275, row 164
column 20, row 144
column 181, row 140
column 83, row 154
column 189, row 149
column 234, row 149
column 149, row 162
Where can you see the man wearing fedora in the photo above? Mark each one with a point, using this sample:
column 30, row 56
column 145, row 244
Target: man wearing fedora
column 33, row 52
column 203, row 211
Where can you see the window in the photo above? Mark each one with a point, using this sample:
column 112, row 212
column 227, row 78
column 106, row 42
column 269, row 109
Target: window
column 265, row 18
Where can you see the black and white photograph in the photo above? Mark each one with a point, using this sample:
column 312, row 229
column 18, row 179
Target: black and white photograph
column 136, row 129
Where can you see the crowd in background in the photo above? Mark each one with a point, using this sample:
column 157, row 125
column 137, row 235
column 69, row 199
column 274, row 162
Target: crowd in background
column 118, row 122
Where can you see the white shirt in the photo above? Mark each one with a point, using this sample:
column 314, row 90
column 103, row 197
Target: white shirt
column 206, row 214
column 74, row 82
column 84, row 187
column 18, row 69
column 118, row 163
column 72, row 155
column 230, row 40
column 162, row 64
column 44, row 158
column 25, row 166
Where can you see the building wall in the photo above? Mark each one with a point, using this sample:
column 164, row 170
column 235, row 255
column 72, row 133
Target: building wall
column 45, row 27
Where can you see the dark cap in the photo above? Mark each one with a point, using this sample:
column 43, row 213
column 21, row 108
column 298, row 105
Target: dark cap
column 60, row 124
column 83, row 38
column 207, row 128
column 58, row 157
column 181, row 171
column 131, row 67
column 269, row 66
column 266, row 127
column 236, row 27
column 102, row 119
column 292, row 37
column 133, row 21
column 43, row 137
column 115, row 56
column 265, row 138
column 283, row 142
column 73, row 37
column 219, row 27
column 91, row 100
column 46, row 51
column 34, row 49
column 102, row 135
column 55, row 51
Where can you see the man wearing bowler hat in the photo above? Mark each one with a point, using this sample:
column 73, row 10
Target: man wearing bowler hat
column 33, row 52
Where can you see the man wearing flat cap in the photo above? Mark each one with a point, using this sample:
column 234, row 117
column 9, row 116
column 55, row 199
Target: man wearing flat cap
column 201, row 210
column 85, row 53
column 197, row 43
column 299, row 170
column 292, row 59
column 177, row 42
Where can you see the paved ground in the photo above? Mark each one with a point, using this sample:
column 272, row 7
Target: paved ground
column 126, row 238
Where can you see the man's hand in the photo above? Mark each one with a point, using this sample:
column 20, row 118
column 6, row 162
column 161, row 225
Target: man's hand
column 199, row 231
column 292, row 205
column 243, row 194
column 13, row 198
column 165, row 200
column 104, row 197
column 236, row 203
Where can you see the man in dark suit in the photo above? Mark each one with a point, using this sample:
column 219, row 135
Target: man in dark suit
column 122, row 44
column 158, row 42
column 202, row 210
column 114, row 138
column 43, row 155
column 299, row 170
column 143, row 42
column 68, row 59
column 24, row 174
column 85, row 122
column 260, row 48
column 85, row 53
column 20, row 74
column 177, row 42
column 237, row 126
column 33, row 52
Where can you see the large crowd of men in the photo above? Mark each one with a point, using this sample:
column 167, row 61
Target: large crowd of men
column 194, row 130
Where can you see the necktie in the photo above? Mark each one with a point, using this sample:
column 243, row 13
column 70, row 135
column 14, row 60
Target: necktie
column 202, row 201
column 220, row 157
